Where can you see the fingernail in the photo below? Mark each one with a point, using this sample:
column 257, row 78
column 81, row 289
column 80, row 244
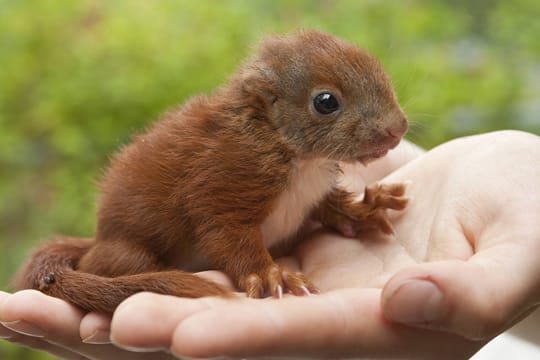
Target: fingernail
column 138, row 349
column 25, row 328
column 415, row 302
column 98, row 337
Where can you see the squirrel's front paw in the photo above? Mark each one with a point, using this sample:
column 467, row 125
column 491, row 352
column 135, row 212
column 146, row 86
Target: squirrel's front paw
column 275, row 281
column 385, row 196
column 369, row 213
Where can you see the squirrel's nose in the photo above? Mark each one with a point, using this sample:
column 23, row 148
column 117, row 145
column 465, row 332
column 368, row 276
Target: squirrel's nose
column 398, row 126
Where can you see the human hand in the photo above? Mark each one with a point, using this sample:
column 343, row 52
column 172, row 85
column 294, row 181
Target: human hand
column 32, row 319
column 348, row 319
column 35, row 320
column 463, row 261
column 477, row 273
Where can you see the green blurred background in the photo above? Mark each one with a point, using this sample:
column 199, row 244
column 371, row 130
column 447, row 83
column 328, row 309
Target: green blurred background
column 78, row 77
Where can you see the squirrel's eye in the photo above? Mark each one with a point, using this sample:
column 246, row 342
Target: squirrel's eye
column 325, row 103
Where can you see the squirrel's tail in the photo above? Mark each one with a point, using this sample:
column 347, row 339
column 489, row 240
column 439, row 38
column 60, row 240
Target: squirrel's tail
column 52, row 270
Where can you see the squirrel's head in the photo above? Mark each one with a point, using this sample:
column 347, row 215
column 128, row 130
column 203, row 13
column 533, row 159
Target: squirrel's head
column 326, row 97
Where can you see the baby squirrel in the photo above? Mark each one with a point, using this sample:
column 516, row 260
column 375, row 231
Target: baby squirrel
column 224, row 177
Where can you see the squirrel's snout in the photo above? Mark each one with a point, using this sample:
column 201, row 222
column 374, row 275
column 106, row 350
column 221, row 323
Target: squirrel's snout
column 397, row 126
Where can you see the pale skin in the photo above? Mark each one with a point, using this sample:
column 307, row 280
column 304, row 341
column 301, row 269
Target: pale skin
column 461, row 269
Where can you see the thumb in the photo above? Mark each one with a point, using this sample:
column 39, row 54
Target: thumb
column 477, row 298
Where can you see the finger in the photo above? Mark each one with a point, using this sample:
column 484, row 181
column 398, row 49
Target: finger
column 478, row 298
column 35, row 340
column 32, row 313
column 340, row 324
column 95, row 328
column 55, row 323
column 154, row 316
column 5, row 333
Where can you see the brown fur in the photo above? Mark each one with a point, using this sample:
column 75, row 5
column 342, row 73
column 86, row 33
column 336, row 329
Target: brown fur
column 201, row 181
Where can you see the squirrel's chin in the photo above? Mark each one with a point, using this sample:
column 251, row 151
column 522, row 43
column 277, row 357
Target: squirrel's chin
column 370, row 157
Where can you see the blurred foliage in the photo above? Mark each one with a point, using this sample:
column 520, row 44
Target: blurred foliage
column 78, row 77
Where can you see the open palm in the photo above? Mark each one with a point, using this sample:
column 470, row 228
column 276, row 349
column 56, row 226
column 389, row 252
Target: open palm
column 462, row 261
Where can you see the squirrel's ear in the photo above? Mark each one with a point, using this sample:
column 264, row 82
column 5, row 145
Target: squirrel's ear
column 259, row 81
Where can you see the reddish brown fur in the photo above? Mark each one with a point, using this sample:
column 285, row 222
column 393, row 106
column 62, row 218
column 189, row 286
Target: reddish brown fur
column 201, row 181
